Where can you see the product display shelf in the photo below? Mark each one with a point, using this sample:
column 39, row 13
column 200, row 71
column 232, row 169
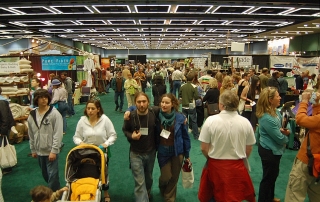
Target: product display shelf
column 15, row 84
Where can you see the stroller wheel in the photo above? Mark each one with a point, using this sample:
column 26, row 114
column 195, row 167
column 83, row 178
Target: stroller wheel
column 106, row 196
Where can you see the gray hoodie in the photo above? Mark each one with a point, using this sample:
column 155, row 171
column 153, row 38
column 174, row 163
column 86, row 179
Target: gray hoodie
column 47, row 137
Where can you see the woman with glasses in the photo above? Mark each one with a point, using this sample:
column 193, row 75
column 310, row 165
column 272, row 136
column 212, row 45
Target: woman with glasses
column 272, row 142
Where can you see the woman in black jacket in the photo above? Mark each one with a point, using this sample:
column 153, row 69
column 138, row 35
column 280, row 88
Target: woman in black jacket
column 6, row 122
column 212, row 95
column 158, row 89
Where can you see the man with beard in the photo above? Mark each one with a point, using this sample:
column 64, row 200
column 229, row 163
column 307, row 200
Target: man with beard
column 142, row 133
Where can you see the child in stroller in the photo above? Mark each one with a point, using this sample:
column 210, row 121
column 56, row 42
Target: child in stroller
column 85, row 174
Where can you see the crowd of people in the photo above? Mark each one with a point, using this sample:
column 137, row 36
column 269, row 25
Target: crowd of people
column 245, row 99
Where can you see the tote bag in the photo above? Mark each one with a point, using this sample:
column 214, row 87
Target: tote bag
column 187, row 175
column 8, row 156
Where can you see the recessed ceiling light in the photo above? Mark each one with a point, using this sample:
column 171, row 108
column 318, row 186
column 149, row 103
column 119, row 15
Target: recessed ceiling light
column 305, row 25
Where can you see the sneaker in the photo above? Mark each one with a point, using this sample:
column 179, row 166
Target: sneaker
column 120, row 111
column 6, row 171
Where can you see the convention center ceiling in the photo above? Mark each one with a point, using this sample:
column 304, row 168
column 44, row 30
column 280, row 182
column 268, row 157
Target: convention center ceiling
column 166, row 24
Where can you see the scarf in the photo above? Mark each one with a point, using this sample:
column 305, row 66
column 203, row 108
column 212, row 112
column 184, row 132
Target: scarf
column 167, row 119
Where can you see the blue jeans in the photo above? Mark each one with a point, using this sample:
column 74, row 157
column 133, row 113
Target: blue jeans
column 63, row 109
column 142, row 168
column 192, row 113
column 116, row 99
column 176, row 87
column 70, row 105
column 50, row 171
column 107, row 87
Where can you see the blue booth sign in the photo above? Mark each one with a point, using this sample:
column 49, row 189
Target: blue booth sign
column 54, row 63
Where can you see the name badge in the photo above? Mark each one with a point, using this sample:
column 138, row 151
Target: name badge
column 256, row 97
column 165, row 134
column 144, row 131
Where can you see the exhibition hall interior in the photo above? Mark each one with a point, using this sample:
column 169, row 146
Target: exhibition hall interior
column 89, row 39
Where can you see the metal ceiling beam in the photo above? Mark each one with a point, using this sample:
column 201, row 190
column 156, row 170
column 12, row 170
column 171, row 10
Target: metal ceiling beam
column 145, row 27
column 164, row 16
column 151, row 2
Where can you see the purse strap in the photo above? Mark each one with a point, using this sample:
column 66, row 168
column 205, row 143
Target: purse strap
column 4, row 138
column 309, row 154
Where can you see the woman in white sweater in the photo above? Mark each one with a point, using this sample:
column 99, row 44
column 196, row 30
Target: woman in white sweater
column 97, row 129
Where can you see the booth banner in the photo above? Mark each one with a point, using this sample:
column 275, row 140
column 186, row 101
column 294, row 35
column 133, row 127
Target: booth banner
column 9, row 67
column 310, row 64
column 79, row 62
column 105, row 63
column 58, row 62
column 282, row 62
column 241, row 61
column 279, row 47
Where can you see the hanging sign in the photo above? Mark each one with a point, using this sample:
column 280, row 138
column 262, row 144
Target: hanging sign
column 241, row 61
column 9, row 67
column 58, row 62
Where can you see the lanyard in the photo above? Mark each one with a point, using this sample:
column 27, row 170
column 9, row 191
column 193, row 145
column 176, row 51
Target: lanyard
column 147, row 120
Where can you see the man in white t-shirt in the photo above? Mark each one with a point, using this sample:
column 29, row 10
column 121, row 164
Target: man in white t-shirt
column 204, row 80
column 177, row 77
column 226, row 142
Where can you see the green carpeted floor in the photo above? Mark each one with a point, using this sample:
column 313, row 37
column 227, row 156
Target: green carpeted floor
column 26, row 175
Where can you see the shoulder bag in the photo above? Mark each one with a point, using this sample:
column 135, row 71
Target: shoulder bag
column 8, row 155
column 313, row 162
column 213, row 109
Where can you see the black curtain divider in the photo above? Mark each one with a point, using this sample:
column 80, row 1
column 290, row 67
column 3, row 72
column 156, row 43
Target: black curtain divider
column 261, row 60
column 138, row 58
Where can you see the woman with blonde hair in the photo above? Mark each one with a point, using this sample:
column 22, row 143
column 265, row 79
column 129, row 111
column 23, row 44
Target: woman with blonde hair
column 212, row 95
column 272, row 141
column 219, row 78
column 227, row 84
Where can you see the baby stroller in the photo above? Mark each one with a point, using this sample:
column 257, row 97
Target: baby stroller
column 85, row 174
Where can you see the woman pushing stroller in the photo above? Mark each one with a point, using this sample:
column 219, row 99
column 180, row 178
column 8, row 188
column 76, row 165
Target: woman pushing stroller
column 96, row 128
